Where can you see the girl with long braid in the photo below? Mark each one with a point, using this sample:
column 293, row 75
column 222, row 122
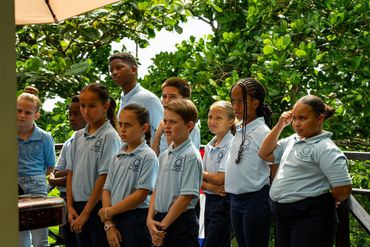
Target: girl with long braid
column 247, row 175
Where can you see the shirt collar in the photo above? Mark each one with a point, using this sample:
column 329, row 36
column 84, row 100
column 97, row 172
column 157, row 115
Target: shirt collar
column 180, row 148
column 98, row 132
column 36, row 134
column 251, row 125
column 314, row 139
column 137, row 150
column 132, row 92
column 224, row 142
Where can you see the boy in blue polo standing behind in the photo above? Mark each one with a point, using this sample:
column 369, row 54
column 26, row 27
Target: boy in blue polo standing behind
column 171, row 218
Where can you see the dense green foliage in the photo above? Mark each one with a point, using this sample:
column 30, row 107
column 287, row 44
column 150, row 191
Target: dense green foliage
column 292, row 47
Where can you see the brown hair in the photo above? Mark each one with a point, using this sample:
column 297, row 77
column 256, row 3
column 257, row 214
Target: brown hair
column 103, row 94
column 31, row 94
column 184, row 108
column 318, row 106
column 226, row 105
column 182, row 85
column 142, row 115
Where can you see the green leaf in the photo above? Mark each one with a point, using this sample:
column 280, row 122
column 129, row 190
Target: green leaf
column 78, row 69
column 268, row 49
column 300, row 53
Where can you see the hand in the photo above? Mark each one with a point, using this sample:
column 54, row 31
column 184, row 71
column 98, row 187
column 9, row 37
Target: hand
column 79, row 223
column 160, row 128
column 72, row 215
column 104, row 214
column 156, row 234
column 114, row 237
column 220, row 190
column 285, row 119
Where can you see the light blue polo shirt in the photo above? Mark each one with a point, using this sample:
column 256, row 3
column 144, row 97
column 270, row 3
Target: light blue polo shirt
column 180, row 173
column 64, row 157
column 194, row 136
column 308, row 168
column 132, row 171
column 142, row 96
column 36, row 154
column 214, row 155
column 90, row 158
column 252, row 173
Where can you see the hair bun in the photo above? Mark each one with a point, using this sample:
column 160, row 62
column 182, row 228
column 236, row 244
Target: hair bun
column 31, row 90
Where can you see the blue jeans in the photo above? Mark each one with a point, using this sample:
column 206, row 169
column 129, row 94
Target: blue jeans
column 35, row 185
column 217, row 221
column 251, row 218
column 132, row 226
column 309, row 222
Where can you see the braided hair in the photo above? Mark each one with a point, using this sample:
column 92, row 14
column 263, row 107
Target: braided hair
column 252, row 88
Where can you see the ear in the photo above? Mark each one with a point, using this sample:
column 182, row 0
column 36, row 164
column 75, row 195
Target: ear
column 134, row 69
column 145, row 127
column 321, row 118
column 256, row 103
column 190, row 125
column 37, row 115
column 106, row 106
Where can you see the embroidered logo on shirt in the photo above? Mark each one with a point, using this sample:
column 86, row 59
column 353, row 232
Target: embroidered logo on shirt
column 98, row 145
column 177, row 165
column 220, row 155
column 247, row 143
column 35, row 149
column 304, row 152
column 135, row 164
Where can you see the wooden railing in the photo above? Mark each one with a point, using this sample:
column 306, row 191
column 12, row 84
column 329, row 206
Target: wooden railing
column 352, row 206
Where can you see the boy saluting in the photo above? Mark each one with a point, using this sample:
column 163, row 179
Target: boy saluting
column 171, row 218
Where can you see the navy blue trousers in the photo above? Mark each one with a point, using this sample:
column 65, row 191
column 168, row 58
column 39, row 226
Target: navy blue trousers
column 69, row 237
column 251, row 218
column 93, row 234
column 217, row 221
column 306, row 223
column 183, row 232
column 132, row 226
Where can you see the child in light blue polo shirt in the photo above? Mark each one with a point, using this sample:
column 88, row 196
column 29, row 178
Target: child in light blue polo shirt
column 311, row 179
column 221, row 123
column 174, row 88
column 131, row 178
column 91, row 152
column 59, row 176
column 171, row 218
column 36, row 158
column 247, row 175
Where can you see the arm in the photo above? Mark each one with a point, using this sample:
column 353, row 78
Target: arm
column 341, row 193
column 55, row 178
column 218, row 189
column 128, row 203
column 178, row 207
column 72, row 214
column 91, row 203
column 157, row 138
column 153, row 226
column 216, row 178
column 270, row 142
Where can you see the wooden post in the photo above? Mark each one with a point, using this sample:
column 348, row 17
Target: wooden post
column 342, row 238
